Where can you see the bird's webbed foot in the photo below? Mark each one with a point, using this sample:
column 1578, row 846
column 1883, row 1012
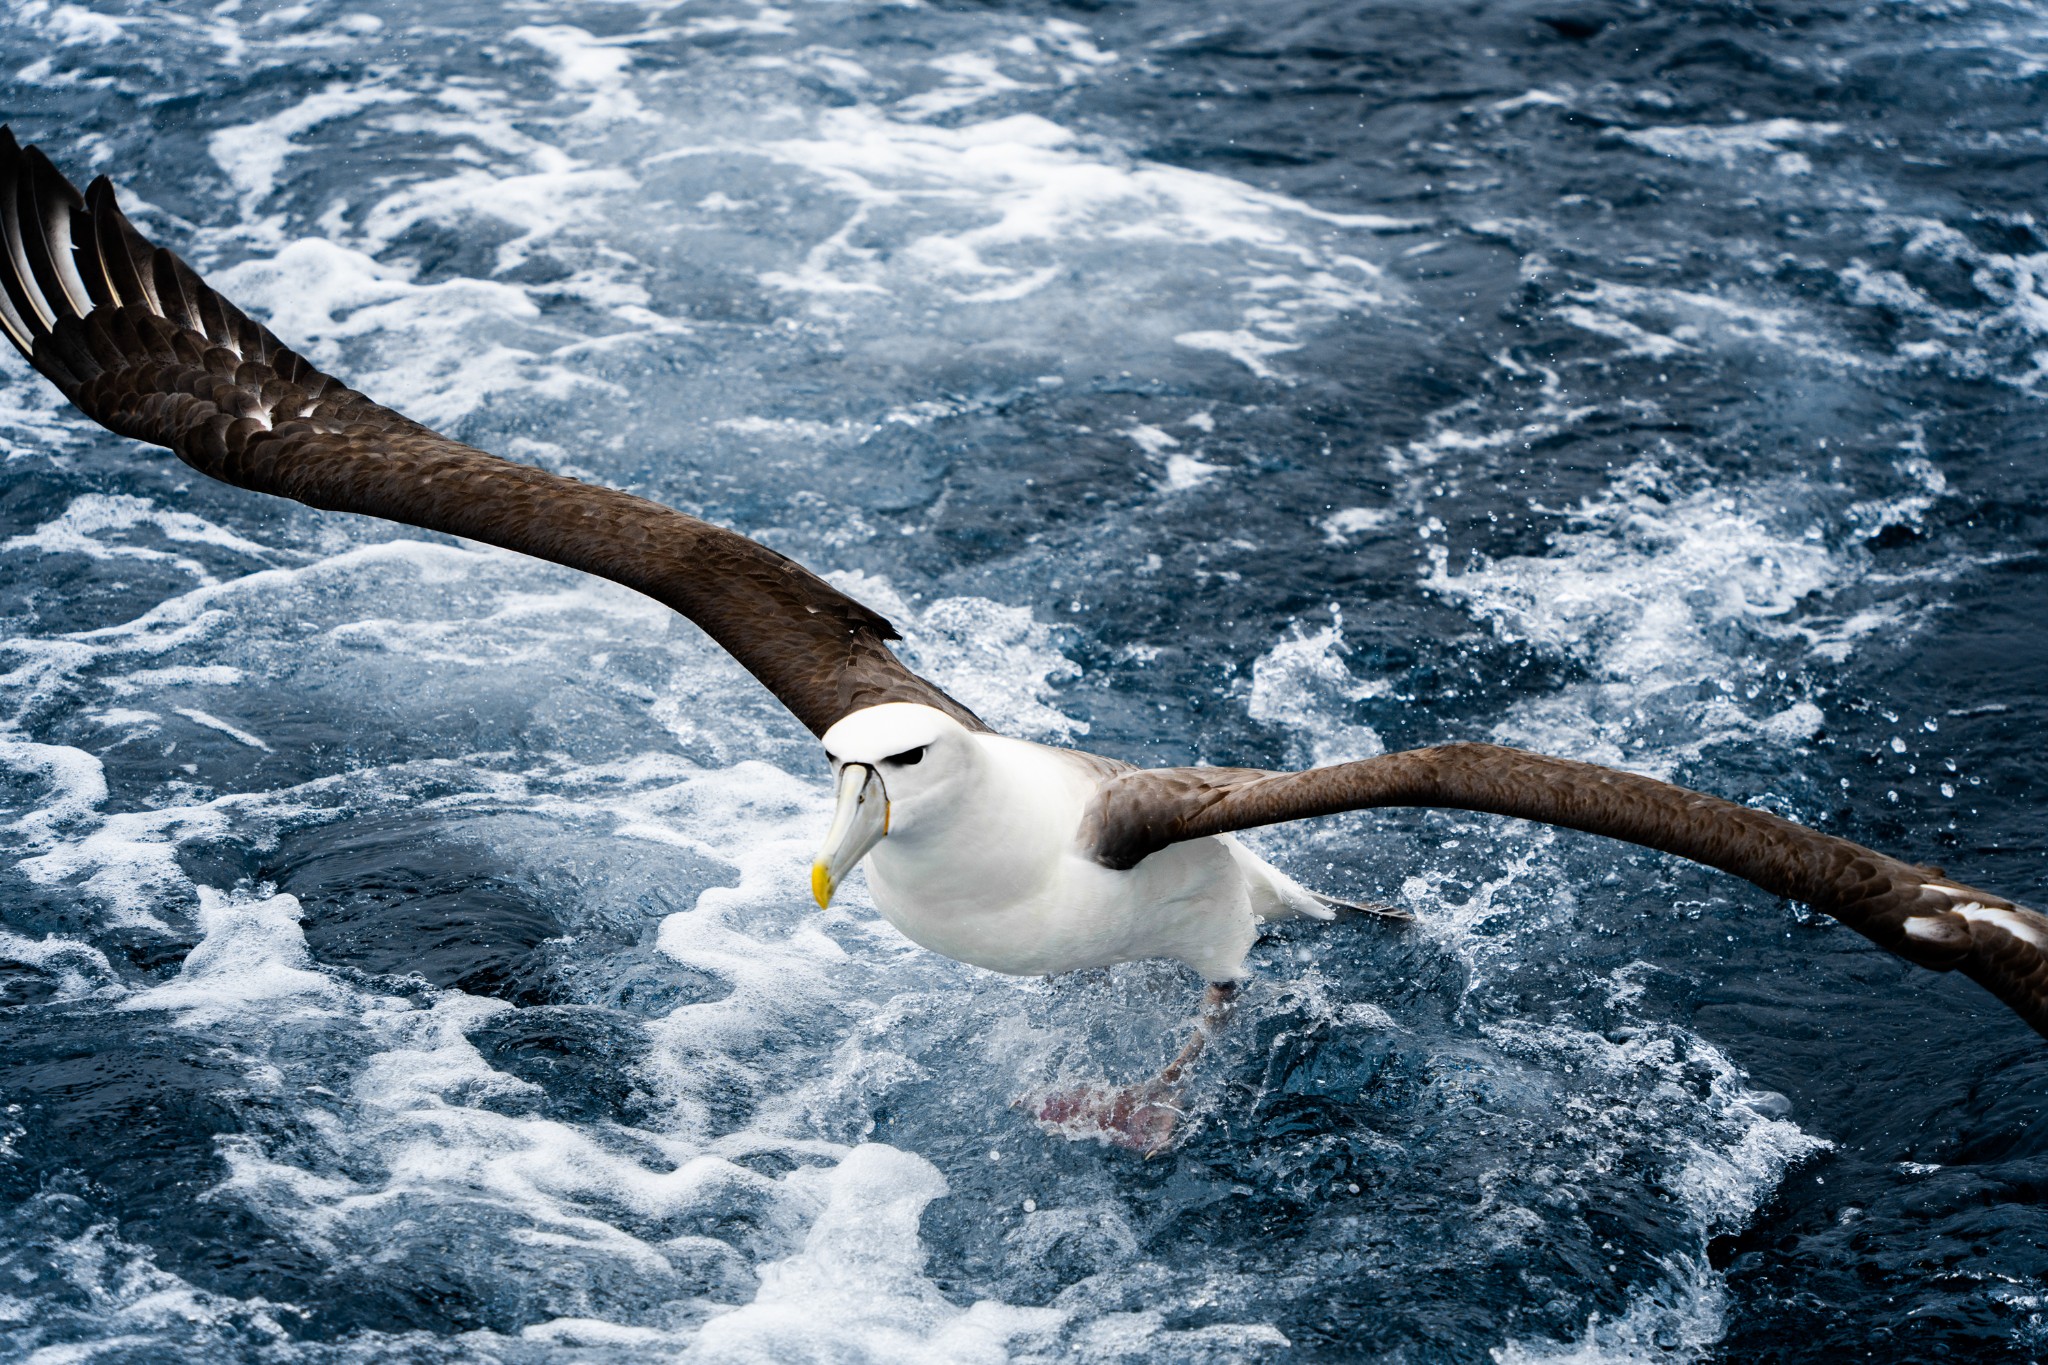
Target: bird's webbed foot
column 1138, row 1118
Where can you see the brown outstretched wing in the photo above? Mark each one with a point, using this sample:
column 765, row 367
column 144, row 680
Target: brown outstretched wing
column 138, row 341
column 1916, row 912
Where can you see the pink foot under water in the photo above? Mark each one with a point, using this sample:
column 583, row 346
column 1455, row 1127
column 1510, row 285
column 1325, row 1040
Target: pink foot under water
column 1138, row 1118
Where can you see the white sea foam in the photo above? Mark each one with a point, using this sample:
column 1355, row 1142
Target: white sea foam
column 590, row 66
column 765, row 20
column 118, row 1299
column 970, row 77
column 1627, row 589
column 2000, row 338
column 1649, row 592
column 793, row 428
column 81, row 970
column 1530, row 99
column 74, row 25
column 1184, row 472
column 1730, row 144
column 560, row 194
column 446, row 347
column 999, row 660
column 982, row 205
column 1059, row 53
column 123, row 715
column 80, row 529
column 77, row 784
column 213, row 722
column 1151, row 439
column 1340, row 526
column 419, row 1108
column 443, row 349
column 254, row 154
column 857, row 1287
column 1303, row 685
column 1678, row 1318
column 139, row 681
column 52, row 666
column 1450, row 439
column 1246, row 347
column 1659, row 322
column 128, row 862
column 253, row 954
column 1727, row 1155
column 35, row 421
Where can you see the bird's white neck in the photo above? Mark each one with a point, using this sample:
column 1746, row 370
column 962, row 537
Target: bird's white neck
column 981, row 865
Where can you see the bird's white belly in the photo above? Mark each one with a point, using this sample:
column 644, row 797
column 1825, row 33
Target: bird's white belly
column 1187, row 902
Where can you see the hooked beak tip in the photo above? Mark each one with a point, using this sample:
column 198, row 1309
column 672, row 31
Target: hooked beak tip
column 859, row 821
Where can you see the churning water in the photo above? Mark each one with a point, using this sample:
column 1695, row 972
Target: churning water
column 405, row 950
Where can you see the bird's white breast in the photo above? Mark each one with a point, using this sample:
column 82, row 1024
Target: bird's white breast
column 997, row 879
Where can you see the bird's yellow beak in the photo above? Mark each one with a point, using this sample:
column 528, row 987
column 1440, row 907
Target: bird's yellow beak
column 859, row 823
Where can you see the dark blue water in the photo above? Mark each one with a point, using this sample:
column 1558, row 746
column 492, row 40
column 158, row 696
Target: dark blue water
column 404, row 947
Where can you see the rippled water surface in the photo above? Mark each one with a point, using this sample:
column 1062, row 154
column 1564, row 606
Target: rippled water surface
column 404, row 947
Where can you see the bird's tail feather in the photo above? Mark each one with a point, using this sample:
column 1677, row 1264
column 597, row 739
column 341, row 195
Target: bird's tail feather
column 1373, row 908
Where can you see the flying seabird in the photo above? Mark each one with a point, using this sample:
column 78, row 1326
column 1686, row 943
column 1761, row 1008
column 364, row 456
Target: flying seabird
column 1010, row 855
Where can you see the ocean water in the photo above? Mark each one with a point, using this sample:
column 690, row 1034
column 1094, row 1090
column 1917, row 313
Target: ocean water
column 405, row 947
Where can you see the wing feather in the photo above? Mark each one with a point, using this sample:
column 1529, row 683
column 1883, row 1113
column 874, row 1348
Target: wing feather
column 119, row 253
column 1916, row 912
column 139, row 342
column 46, row 239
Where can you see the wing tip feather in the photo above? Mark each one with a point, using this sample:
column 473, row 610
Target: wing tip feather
column 41, row 285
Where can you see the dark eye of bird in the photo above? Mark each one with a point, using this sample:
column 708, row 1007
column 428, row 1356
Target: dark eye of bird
column 908, row 756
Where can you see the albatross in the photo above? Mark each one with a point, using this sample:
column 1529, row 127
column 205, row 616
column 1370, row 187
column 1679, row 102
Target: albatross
column 1013, row 856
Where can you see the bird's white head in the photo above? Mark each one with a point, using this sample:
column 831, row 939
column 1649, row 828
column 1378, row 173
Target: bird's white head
column 895, row 768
